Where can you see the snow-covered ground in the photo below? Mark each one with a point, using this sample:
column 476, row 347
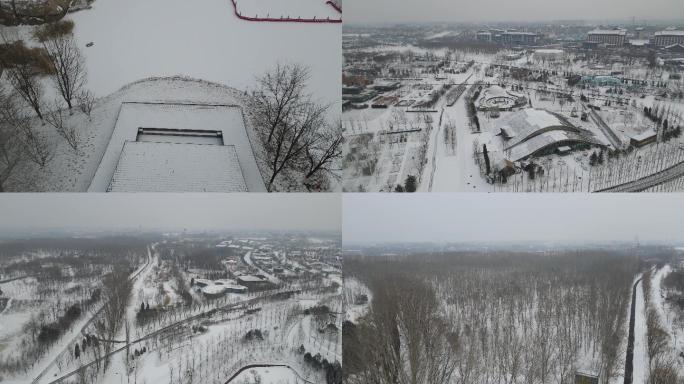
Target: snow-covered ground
column 136, row 39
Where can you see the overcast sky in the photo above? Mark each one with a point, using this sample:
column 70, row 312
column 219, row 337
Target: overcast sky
column 460, row 217
column 392, row 11
column 92, row 211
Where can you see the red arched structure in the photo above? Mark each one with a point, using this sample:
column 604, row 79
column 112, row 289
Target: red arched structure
column 288, row 19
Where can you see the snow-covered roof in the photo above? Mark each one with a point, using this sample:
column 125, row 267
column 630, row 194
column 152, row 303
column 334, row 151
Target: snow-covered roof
column 639, row 42
column 549, row 51
column 620, row 32
column 544, row 140
column 224, row 119
column 214, row 289
column 647, row 134
column 527, row 122
column 531, row 130
column 670, row 33
column 520, row 33
column 250, row 278
column 171, row 167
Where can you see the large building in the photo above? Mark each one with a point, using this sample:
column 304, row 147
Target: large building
column 615, row 37
column 667, row 38
column 519, row 38
column 178, row 147
column 533, row 132
column 484, row 36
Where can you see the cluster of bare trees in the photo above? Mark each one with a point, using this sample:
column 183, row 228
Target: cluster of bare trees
column 23, row 74
column 52, row 300
column 300, row 146
column 404, row 339
column 503, row 317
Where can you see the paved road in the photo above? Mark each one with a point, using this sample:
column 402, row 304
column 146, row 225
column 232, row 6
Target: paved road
column 15, row 278
column 607, row 131
column 668, row 174
column 629, row 358
column 461, row 88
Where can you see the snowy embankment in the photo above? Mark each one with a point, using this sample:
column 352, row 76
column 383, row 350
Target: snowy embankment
column 353, row 289
column 668, row 317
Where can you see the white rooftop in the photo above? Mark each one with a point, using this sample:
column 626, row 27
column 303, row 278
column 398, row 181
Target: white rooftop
column 224, row 119
column 607, row 32
column 250, row 278
column 670, row 33
column 214, row 289
column 644, row 135
column 173, row 167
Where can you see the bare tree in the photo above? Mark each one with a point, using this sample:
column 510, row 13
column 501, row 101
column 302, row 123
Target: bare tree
column 67, row 63
column 86, row 102
column 322, row 154
column 280, row 95
column 58, row 121
column 23, row 67
column 291, row 139
column 11, row 149
column 297, row 141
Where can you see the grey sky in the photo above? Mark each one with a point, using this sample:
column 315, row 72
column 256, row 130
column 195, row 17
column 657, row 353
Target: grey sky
column 392, row 11
column 91, row 211
column 459, row 217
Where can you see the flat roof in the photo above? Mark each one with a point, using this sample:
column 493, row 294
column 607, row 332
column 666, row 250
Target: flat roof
column 621, row 32
column 644, row 135
column 670, row 33
column 174, row 167
column 226, row 120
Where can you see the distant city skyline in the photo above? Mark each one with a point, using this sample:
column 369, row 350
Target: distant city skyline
column 404, row 11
